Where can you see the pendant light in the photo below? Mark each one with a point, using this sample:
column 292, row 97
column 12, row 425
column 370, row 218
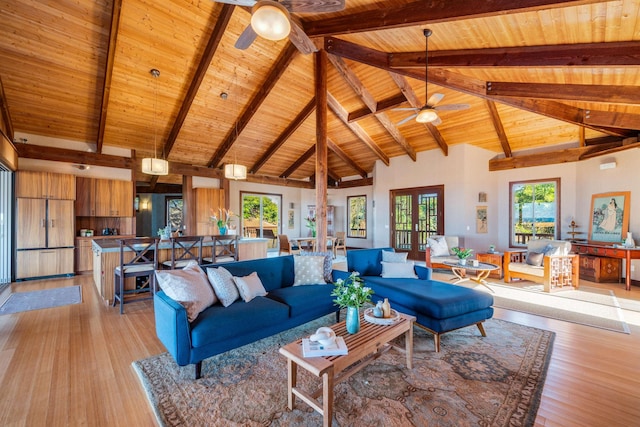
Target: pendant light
column 234, row 170
column 154, row 165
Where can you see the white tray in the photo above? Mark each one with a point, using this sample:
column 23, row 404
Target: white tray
column 369, row 317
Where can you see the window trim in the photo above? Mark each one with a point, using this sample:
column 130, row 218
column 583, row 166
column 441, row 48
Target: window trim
column 557, row 231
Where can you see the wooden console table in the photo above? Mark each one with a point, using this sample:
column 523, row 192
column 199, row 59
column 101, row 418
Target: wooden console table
column 626, row 254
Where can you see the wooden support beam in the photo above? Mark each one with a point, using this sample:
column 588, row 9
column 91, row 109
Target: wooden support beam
column 219, row 22
column 302, row 160
column 612, row 119
column 356, row 183
column 383, row 105
column 589, row 93
column 286, row 134
column 55, row 154
column 345, row 158
column 497, row 125
column 342, row 114
column 265, row 88
column 322, row 155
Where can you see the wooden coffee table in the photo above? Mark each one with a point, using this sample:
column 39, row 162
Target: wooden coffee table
column 364, row 347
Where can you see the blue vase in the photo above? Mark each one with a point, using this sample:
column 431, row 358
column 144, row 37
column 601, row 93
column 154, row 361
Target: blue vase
column 353, row 320
column 223, row 230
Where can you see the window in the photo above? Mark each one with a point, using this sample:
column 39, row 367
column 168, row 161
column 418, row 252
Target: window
column 357, row 215
column 535, row 210
column 261, row 216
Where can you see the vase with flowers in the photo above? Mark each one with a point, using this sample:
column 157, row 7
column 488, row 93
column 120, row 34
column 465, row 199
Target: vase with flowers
column 462, row 254
column 311, row 225
column 222, row 220
column 351, row 294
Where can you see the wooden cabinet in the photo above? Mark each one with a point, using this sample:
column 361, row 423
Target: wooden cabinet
column 208, row 200
column 44, row 262
column 45, row 185
column 104, row 198
column 600, row 269
column 84, row 255
column 495, row 259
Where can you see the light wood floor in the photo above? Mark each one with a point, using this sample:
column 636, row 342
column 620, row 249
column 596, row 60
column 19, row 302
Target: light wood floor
column 72, row 366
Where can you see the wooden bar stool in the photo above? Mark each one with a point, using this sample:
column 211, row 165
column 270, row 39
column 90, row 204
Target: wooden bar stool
column 142, row 261
column 183, row 250
column 224, row 248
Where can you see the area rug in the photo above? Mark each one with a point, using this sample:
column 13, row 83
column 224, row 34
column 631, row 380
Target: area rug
column 45, row 298
column 492, row 381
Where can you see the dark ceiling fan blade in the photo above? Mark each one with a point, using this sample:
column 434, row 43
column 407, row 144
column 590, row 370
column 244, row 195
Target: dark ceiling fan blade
column 299, row 38
column 452, row 107
column 434, row 99
column 248, row 3
column 406, row 119
column 246, row 38
column 313, row 6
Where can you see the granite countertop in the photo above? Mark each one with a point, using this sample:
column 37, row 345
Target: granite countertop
column 113, row 245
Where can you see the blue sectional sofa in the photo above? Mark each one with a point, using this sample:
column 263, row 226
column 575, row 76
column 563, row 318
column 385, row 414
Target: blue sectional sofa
column 218, row 329
column 438, row 306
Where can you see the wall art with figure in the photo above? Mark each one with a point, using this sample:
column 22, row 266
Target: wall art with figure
column 609, row 217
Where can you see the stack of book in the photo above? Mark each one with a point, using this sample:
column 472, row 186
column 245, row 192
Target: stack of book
column 315, row 349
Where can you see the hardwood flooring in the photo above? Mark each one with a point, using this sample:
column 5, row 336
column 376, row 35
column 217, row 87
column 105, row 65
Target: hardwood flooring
column 71, row 366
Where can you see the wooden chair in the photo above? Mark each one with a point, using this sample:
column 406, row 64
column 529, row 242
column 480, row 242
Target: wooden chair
column 286, row 246
column 183, row 250
column 224, row 248
column 142, row 261
column 340, row 243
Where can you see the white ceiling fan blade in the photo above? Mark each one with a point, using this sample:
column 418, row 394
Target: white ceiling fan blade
column 249, row 3
column 313, row 6
column 452, row 107
column 405, row 120
column 299, row 38
column 434, row 99
column 246, row 38
column 405, row 109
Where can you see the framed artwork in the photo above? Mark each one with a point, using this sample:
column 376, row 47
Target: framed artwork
column 291, row 219
column 481, row 219
column 357, row 216
column 609, row 217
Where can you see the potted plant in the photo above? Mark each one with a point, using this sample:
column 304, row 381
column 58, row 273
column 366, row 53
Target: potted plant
column 462, row 254
column 222, row 220
column 351, row 294
column 311, row 225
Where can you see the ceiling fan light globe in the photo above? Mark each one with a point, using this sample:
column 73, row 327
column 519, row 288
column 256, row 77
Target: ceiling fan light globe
column 426, row 116
column 270, row 20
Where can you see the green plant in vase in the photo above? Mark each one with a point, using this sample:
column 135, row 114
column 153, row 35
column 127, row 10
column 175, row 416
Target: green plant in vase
column 351, row 294
column 462, row 254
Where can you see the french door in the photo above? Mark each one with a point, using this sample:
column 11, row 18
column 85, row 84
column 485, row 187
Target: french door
column 416, row 214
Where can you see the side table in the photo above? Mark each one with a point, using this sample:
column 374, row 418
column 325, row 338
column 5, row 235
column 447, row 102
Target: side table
column 495, row 258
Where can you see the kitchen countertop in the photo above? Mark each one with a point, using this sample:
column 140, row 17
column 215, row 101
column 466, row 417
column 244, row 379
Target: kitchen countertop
column 109, row 244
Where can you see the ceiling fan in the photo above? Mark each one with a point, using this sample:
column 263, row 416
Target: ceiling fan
column 272, row 20
column 428, row 112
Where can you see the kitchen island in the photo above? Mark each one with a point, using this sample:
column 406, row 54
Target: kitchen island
column 106, row 257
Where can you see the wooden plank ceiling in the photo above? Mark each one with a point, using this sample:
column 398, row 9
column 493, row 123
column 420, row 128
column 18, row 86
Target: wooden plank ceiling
column 537, row 75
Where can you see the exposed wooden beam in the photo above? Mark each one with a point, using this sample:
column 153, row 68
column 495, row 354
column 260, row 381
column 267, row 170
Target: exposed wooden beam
column 345, row 158
column 272, row 180
column 612, row 119
column 615, row 54
column 421, row 12
column 220, row 21
column 265, row 88
column 322, row 155
column 342, row 114
column 552, row 157
column 160, row 189
column 581, row 136
column 590, row 93
column 367, row 98
column 116, row 8
column 55, row 154
column 302, row 160
column 608, row 151
column 355, row 183
column 286, row 134
column 497, row 125
column 383, row 105
column 414, row 101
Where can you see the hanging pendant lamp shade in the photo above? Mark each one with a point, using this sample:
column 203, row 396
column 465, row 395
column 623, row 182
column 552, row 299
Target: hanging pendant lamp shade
column 154, row 165
column 235, row 171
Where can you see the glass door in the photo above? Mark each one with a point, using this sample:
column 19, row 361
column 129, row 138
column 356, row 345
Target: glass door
column 416, row 214
column 261, row 216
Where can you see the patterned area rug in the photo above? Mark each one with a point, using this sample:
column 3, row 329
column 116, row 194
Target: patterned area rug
column 45, row 298
column 491, row 381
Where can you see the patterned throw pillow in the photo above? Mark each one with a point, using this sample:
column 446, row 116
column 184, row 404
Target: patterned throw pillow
column 308, row 270
column 388, row 256
column 438, row 246
column 327, row 266
column 223, row 285
column 250, row 286
column 189, row 287
column 398, row 270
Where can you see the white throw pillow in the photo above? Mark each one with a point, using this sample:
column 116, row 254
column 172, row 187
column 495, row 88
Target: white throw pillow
column 250, row 286
column 327, row 266
column 388, row 256
column 189, row 287
column 438, row 246
column 308, row 270
column 398, row 270
column 223, row 285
